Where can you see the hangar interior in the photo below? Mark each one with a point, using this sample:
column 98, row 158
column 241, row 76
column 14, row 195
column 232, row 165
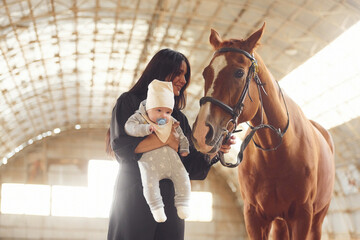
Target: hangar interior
column 64, row 63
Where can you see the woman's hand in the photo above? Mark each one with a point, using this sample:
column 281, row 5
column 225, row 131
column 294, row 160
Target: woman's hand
column 225, row 148
column 173, row 140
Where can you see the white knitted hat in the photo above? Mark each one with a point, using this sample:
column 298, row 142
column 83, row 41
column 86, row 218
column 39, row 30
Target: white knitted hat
column 160, row 94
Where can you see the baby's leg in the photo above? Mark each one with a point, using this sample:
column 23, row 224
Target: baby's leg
column 182, row 191
column 151, row 189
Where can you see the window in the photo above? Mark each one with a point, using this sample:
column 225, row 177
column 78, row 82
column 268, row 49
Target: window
column 201, row 207
column 25, row 199
column 78, row 201
column 70, row 201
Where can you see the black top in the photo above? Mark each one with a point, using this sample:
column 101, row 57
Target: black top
column 130, row 217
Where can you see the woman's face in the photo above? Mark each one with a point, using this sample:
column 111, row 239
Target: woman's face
column 179, row 80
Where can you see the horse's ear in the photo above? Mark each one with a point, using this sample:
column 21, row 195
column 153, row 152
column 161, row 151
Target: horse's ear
column 254, row 40
column 215, row 39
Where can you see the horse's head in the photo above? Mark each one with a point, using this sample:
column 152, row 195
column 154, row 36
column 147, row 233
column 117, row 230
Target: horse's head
column 227, row 84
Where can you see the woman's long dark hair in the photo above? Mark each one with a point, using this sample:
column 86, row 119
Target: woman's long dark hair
column 165, row 63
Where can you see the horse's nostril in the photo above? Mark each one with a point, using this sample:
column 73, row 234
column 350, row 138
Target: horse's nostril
column 210, row 135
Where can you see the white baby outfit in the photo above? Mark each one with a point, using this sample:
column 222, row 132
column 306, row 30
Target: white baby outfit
column 161, row 163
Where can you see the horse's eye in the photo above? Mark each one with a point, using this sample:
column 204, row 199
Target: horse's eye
column 239, row 73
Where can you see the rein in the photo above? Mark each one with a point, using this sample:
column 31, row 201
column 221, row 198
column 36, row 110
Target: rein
column 236, row 111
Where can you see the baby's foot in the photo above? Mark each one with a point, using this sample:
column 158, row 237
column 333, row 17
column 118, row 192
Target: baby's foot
column 159, row 215
column 183, row 212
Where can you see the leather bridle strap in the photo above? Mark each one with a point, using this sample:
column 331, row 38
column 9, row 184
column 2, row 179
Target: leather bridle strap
column 225, row 107
column 229, row 49
column 237, row 110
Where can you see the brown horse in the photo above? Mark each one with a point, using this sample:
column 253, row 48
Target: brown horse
column 287, row 174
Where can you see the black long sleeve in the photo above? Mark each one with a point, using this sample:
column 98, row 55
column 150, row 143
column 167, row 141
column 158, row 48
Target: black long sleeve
column 195, row 163
column 122, row 144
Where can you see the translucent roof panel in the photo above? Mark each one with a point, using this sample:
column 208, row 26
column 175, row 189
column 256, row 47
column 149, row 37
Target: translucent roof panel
column 327, row 86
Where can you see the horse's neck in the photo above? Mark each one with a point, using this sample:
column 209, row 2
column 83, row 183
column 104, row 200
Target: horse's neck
column 273, row 110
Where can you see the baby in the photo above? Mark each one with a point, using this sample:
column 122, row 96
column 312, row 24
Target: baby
column 154, row 116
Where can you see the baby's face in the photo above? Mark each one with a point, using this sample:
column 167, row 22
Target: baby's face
column 159, row 113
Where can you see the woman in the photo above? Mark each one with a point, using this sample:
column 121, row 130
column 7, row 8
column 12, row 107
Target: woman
column 130, row 217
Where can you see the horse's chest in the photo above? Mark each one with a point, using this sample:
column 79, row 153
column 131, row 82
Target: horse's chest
column 272, row 195
column 273, row 192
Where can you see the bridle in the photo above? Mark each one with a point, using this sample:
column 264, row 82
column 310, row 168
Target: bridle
column 236, row 111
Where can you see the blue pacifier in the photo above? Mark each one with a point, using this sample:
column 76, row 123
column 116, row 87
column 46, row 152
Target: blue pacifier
column 161, row 121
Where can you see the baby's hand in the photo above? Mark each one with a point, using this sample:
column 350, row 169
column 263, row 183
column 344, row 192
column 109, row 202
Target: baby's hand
column 152, row 129
column 184, row 154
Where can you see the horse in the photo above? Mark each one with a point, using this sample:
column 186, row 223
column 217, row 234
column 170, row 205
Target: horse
column 286, row 165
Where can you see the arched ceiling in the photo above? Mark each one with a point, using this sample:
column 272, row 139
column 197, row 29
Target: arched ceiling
column 64, row 63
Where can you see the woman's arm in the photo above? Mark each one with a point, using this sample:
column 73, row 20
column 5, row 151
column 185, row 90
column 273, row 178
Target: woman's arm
column 122, row 144
column 152, row 142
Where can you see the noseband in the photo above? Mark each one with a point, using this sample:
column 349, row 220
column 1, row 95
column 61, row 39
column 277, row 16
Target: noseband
column 236, row 111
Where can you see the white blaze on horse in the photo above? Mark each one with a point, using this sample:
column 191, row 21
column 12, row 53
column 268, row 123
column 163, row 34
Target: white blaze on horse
column 287, row 171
